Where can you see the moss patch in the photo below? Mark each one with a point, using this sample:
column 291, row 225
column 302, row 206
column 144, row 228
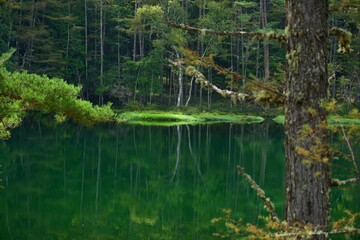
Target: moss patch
column 155, row 118
column 279, row 119
column 333, row 120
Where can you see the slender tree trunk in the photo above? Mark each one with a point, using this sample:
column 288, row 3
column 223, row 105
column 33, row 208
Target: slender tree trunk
column 200, row 47
column 306, row 142
column 209, row 91
column 180, row 83
column 86, row 44
column 95, row 47
column 136, row 5
column 263, row 11
column 68, row 38
column 231, row 66
column 190, row 90
column 170, row 86
column 134, row 47
column 11, row 24
column 333, row 60
column 141, row 45
column 257, row 59
column 29, row 48
column 118, row 52
column 151, row 88
column 101, row 97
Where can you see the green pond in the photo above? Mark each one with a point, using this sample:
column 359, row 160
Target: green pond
column 142, row 182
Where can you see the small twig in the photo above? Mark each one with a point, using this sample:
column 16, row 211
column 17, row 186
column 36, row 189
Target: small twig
column 337, row 182
column 269, row 206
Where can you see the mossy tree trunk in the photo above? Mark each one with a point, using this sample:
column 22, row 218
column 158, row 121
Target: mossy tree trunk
column 306, row 143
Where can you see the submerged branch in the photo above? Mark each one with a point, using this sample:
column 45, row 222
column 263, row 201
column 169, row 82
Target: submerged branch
column 269, row 206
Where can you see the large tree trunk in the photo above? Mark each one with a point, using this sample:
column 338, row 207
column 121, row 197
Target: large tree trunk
column 306, row 142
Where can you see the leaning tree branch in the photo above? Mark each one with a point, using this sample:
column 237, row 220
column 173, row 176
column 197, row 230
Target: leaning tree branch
column 350, row 148
column 343, row 36
column 208, row 62
column 269, row 206
column 334, row 182
column 235, row 96
column 306, row 233
column 200, row 79
column 271, row 35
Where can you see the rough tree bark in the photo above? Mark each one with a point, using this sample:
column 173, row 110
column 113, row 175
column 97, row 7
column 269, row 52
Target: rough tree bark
column 306, row 142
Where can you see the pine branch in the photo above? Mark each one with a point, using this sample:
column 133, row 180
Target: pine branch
column 337, row 182
column 256, row 36
column 269, row 206
column 6, row 56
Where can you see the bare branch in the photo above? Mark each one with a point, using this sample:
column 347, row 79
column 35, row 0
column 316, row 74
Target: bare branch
column 349, row 146
column 337, row 182
column 269, row 206
column 271, row 35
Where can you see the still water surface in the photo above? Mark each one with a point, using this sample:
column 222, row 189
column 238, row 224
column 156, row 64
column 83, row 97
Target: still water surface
column 137, row 182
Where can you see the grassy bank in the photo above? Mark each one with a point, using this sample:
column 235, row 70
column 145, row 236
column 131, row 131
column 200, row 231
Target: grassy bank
column 158, row 118
column 173, row 118
column 333, row 120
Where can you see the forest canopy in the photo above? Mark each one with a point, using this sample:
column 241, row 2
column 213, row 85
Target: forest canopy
column 118, row 50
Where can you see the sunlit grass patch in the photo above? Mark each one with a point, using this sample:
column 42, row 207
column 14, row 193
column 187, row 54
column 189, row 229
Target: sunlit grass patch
column 333, row 120
column 156, row 118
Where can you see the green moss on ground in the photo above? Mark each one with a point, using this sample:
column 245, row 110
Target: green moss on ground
column 157, row 118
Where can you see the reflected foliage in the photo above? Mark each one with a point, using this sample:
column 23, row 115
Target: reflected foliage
column 138, row 182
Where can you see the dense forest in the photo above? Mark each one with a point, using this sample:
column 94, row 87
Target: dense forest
column 119, row 50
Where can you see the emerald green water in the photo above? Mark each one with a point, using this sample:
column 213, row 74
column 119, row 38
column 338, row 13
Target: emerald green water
column 139, row 182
